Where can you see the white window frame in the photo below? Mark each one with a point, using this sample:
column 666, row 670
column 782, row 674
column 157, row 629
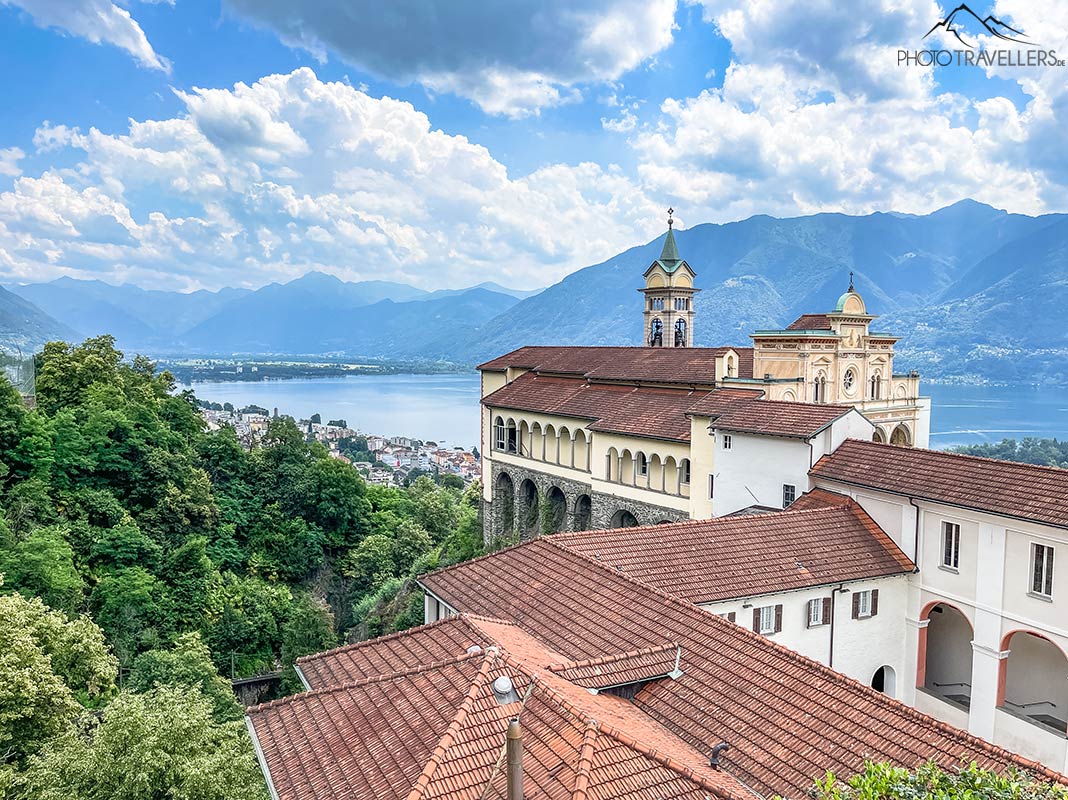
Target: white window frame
column 767, row 615
column 642, row 463
column 815, row 613
column 792, row 492
column 1045, row 580
column 684, row 474
column 950, row 543
column 500, row 436
column 864, row 604
column 728, row 442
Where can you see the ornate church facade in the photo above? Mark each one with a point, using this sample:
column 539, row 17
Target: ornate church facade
column 596, row 437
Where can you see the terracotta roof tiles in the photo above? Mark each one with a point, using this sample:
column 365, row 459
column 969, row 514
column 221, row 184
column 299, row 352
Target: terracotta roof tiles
column 686, row 365
column 1007, row 488
column 786, row 717
column 810, row 322
column 729, row 557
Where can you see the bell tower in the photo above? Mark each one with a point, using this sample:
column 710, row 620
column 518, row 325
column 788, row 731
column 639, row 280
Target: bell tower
column 669, row 295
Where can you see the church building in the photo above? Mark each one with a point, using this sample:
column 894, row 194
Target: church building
column 575, row 438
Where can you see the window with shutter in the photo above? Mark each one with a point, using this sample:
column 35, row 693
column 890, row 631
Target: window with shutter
column 827, row 610
column 756, row 620
column 865, row 604
column 819, row 611
column 778, row 618
column 767, row 619
column 856, row 605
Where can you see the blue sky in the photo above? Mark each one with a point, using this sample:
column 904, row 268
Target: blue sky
column 192, row 144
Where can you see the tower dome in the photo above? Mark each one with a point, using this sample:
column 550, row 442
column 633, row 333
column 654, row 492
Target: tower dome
column 850, row 302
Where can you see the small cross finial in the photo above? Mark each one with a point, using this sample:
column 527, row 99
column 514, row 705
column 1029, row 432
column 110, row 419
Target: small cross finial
column 671, row 222
column 851, row 280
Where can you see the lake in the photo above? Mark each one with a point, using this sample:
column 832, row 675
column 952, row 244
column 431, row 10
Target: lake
column 444, row 408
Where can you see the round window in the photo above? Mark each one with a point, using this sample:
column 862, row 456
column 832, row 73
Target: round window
column 849, row 380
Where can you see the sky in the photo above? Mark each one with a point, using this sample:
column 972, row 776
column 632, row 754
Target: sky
column 195, row 144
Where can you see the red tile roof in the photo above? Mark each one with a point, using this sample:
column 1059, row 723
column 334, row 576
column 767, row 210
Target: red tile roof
column 810, row 322
column 773, row 417
column 659, row 412
column 787, row 718
column 621, row 669
column 437, row 732
column 685, row 365
column 1006, row 488
column 729, row 557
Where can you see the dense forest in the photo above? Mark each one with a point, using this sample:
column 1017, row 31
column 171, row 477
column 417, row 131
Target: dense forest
column 1046, row 452
column 145, row 560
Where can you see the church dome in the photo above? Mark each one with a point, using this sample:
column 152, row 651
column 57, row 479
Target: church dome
column 850, row 302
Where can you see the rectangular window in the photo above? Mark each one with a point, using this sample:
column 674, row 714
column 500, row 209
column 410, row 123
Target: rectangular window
column 767, row 619
column 730, row 616
column 865, row 604
column 950, row 545
column 819, row 611
column 643, row 464
column 789, row 494
column 685, row 477
column 727, row 441
column 498, row 436
column 711, row 486
column 1042, row 570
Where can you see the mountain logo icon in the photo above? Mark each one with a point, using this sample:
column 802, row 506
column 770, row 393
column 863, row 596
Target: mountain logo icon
column 962, row 21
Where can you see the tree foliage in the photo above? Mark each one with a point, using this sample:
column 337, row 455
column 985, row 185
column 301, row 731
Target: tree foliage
column 1045, row 452
column 179, row 555
column 882, row 781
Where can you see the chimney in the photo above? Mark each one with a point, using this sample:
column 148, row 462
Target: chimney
column 514, row 746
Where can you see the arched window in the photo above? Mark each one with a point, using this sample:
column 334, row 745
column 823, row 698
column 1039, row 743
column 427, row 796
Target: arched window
column 656, row 333
column 680, row 333
column 499, row 435
column 641, row 464
column 684, row 471
column 876, row 387
column 730, row 366
column 819, row 389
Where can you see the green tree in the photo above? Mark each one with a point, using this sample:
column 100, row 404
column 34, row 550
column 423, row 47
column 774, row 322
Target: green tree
column 316, row 419
column 42, row 565
column 164, row 743
column 372, row 562
column 882, row 781
column 309, row 629
column 47, row 663
column 130, row 607
column 187, row 664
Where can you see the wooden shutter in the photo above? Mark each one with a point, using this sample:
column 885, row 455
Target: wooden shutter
column 756, row 620
column 731, row 616
column 874, row 602
column 826, row 610
column 778, row 618
column 856, row 605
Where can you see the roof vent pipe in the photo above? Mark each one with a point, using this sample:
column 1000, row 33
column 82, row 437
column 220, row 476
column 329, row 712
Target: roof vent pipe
column 713, row 759
column 514, row 746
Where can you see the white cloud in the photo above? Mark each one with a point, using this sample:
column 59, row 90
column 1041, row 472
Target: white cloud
column 99, row 21
column 511, row 58
column 625, row 122
column 270, row 180
column 815, row 115
column 9, row 161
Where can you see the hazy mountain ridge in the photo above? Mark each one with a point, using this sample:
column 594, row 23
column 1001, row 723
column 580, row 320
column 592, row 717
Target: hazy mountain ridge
column 972, row 291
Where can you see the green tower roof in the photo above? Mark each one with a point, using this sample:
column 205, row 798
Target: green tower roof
column 670, row 253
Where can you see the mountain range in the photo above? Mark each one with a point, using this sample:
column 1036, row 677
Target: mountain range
column 974, row 293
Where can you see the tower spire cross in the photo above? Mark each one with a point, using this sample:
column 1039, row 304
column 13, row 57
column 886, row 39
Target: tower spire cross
column 671, row 212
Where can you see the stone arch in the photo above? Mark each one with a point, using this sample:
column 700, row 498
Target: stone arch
column 582, row 450
column 566, row 439
column 944, row 658
column 684, row 477
column 552, row 444
column 656, row 472
column 583, row 513
column 671, row 475
column 611, row 471
column 641, row 468
column 511, row 436
column 819, row 387
column 901, row 436
column 523, row 444
column 557, row 510
column 885, row 680
column 623, row 519
column 879, row 435
column 732, row 366
column 1033, row 680
column 626, row 467
column 537, row 441
column 529, row 509
column 504, row 493
column 788, row 396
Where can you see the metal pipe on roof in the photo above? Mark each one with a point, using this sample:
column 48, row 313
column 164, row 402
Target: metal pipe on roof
column 514, row 747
